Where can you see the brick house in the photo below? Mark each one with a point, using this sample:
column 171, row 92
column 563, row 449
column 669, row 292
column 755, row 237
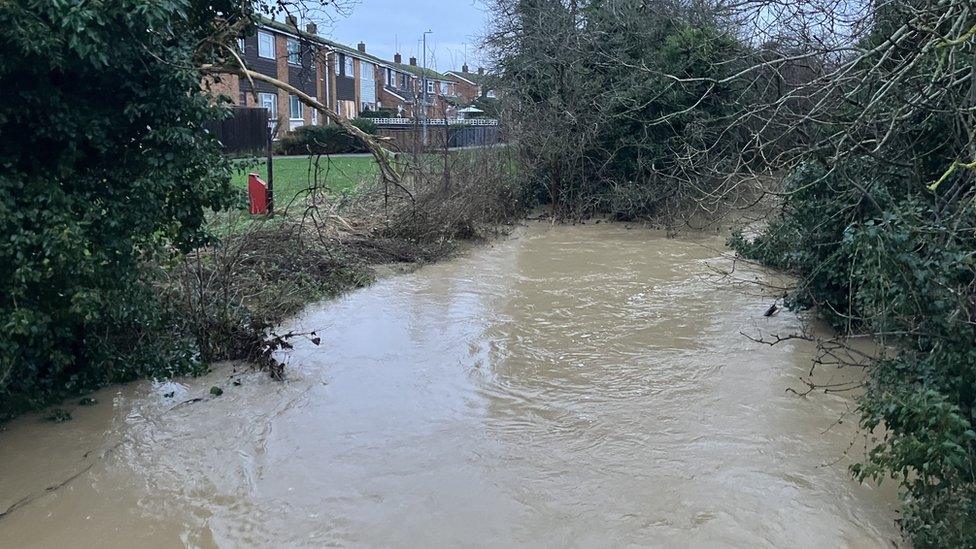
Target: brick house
column 283, row 52
column 472, row 86
column 356, row 79
column 404, row 84
column 347, row 79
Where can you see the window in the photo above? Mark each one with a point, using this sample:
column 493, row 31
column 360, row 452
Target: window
column 403, row 81
column 266, row 45
column 430, row 86
column 491, row 93
column 294, row 57
column 240, row 45
column 295, row 108
column 367, row 82
column 270, row 102
column 444, row 88
column 315, row 116
column 348, row 70
column 390, row 78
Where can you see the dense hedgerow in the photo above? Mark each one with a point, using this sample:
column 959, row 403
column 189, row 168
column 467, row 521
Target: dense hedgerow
column 104, row 164
column 874, row 253
column 331, row 139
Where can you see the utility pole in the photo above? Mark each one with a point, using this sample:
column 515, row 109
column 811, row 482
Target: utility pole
column 272, row 130
column 424, row 84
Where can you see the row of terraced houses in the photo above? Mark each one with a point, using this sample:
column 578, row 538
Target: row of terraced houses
column 350, row 80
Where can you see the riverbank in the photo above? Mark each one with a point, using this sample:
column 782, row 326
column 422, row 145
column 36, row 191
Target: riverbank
column 222, row 299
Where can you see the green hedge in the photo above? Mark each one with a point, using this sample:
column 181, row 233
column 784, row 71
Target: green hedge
column 331, row 139
column 95, row 185
column 378, row 113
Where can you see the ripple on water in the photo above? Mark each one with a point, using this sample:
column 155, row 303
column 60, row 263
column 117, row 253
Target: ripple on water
column 575, row 386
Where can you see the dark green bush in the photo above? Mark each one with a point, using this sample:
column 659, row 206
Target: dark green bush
column 105, row 164
column 874, row 253
column 382, row 112
column 331, row 139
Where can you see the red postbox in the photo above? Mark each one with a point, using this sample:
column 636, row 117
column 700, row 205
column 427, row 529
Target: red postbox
column 257, row 192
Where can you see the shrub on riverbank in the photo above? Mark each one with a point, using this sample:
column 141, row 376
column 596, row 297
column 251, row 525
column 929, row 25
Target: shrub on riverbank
column 94, row 184
column 877, row 224
column 875, row 254
column 230, row 296
column 331, row 139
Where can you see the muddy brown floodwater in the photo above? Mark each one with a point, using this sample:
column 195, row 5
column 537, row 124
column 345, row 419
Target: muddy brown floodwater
column 578, row 386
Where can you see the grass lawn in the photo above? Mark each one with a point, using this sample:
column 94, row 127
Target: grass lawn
column 292, row 175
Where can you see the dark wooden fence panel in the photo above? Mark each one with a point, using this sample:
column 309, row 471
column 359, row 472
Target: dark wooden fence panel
column 408, row 137
column 245, row 132
column 474, row 136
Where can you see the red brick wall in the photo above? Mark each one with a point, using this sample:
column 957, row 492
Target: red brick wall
column 391, row 101
column 321, row 64
column 224, row 84
column 356, row 81
column 467, row 90
column 332, row 81
column 281, row 57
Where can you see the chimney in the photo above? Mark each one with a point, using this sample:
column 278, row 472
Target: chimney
column 398, row 59
column 413, row 61
column 311, row 28
column 464, row 68
column 292, row 21
column 361, row 47
column 481, row 71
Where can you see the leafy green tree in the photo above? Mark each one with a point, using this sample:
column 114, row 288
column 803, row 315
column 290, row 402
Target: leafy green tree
column 105, row 163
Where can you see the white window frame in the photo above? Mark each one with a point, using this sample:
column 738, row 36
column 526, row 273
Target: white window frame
column 430, row 87
column 293, row 101
column 294, row 50
column 240, row 44
column 268, row 36
column 365, row 69
column 315, row 115
column 349, row 68
column 270, row 102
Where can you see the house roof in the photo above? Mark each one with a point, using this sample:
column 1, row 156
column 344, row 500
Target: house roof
column 417, row 71
column 473, row 77
column 353, row 52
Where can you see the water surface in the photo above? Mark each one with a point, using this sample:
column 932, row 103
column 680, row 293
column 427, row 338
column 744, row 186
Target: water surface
column 578, row 386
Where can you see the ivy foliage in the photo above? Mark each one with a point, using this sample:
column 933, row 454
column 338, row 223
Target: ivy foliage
column 103, row 165
column 879, row 250
column 876, row 252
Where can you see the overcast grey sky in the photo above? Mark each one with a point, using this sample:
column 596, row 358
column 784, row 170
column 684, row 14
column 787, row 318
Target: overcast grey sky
column 388, row 26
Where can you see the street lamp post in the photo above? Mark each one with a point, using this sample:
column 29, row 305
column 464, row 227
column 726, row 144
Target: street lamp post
column 424, row 84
